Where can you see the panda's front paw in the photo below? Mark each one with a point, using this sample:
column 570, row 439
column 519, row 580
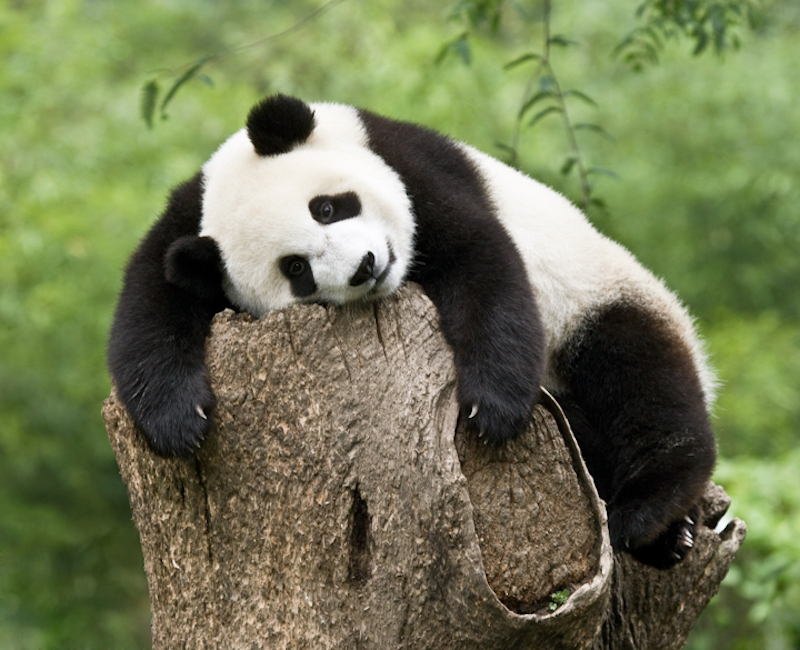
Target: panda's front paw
column 496, row 423
column 180, row 420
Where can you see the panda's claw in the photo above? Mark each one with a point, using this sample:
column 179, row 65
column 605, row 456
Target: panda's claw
column 473, row 413
column 669, row 548
column 199, row 410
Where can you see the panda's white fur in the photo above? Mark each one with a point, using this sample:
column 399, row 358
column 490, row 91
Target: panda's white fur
column 256, row 207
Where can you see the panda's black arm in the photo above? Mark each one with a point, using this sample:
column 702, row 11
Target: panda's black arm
column 489, row 317
column 472, row 271
column 156, row 352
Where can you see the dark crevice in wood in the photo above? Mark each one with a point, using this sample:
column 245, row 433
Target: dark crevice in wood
column 360, row 541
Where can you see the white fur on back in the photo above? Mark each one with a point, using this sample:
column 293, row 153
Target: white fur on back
column 573, row 269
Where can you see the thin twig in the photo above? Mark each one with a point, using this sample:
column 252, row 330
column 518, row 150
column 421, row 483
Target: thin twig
column 262, row 41
column 586, row 188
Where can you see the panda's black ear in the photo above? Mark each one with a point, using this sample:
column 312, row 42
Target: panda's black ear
column 195, row 265
column 279, row 123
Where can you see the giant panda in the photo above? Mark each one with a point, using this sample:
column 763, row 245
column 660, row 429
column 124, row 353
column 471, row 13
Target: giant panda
column 326, row 203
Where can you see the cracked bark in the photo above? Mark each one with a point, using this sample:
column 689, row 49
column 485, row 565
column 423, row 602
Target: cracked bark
column 339, row 503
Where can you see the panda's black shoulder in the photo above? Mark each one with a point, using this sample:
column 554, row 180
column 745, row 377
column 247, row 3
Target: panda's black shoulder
column 430, row 164
column 144, row 275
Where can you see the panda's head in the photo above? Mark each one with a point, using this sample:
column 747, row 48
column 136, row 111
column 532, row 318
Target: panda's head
column 302, row 211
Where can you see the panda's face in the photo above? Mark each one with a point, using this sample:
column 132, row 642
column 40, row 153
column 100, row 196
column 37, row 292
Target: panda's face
column 326, row 222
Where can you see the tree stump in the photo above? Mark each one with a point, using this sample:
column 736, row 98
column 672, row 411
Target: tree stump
column 339, row 503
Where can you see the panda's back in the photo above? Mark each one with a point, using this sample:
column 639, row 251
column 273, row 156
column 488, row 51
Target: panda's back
column 574, row 269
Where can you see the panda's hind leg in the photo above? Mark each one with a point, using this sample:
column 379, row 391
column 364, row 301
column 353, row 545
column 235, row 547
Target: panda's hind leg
column 637, row 408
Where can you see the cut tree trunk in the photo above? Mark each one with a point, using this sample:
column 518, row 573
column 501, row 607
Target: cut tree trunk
column 339, row 503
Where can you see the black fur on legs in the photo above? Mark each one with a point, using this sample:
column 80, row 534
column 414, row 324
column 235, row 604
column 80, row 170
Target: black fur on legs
column 637, row 409
column 156, row 353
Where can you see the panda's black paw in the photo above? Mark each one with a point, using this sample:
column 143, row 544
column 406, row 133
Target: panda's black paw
column 178, row 422
column 496, row 423
column 668, row 549
column 671, row 547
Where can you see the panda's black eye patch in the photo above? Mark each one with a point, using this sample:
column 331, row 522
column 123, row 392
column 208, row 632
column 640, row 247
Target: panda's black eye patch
column 298, row 271
column 330, row 209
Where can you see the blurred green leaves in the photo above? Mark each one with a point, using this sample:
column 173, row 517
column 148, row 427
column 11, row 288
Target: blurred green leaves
column 705, row 22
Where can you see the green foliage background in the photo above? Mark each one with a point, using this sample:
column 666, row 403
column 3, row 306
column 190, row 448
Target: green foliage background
column 707, row 192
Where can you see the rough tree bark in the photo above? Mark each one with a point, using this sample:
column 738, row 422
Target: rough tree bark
column 338, row 503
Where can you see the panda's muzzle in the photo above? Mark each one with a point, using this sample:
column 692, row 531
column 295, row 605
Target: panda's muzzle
column 365, row 270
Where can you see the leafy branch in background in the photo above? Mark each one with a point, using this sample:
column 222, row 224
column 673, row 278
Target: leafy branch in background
column 706, row 22
column 543, row 94
column 150, row 97
column 543, row 91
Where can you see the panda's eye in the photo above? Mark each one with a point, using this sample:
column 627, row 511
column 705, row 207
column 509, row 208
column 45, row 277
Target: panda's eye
column 326, row 211
column 298, row 271
column 296, row 267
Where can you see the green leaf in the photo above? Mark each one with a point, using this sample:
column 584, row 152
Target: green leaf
column 558, row 598
column 533, row 100
column 149, row 97
column 543, row 113
column 562, row 41
column 580, row 95
column 460, row 46
column 654, row 36
column 532, row 56
column 186, row 76
column 569, row 163
column 594, row 128
column 603, row 171
column 702, row 42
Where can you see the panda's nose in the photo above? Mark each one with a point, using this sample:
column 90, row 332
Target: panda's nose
column 364, row 271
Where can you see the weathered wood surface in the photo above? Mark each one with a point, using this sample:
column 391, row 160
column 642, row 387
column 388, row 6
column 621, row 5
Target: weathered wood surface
column 339, row 504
